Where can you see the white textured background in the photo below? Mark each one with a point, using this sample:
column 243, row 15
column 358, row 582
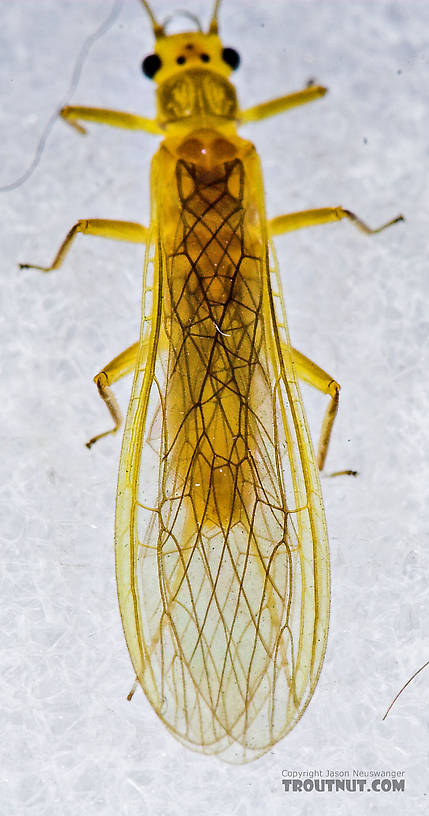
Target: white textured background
column 71, row 743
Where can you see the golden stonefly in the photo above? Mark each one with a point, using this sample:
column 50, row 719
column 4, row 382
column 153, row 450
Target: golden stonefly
column 221, row 547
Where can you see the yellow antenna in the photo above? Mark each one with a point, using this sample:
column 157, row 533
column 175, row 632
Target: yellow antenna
column 158, row 29
column 213, row 27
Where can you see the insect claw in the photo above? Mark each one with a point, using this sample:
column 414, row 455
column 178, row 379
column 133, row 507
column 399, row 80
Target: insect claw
column 131, row 693
column 80, row 129
column 342, row 473
column 33, row 266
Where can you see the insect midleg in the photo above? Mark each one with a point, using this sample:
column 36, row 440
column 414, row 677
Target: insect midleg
column 124, row 363
column 306, row 369
column 318, row 378
column 116, row 230
column 323, row 215
column 282, row 103
column 105, row 116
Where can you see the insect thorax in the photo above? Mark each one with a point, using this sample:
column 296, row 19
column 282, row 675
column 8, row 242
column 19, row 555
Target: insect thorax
column 194, row 94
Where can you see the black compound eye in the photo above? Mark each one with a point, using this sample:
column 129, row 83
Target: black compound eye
column 151, row 65
column 231, row 57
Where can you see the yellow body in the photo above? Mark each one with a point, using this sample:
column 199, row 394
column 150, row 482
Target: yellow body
column 221, row 547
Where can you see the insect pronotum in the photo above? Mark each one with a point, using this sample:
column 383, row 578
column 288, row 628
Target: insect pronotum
column 221, row 546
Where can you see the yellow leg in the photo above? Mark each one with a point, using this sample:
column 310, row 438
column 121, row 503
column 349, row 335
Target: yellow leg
column 315, row 376
column 324, row 215
column 282, row 103
column 119, row 367
column 123, row 364
column 104, row 116
column 117, row 230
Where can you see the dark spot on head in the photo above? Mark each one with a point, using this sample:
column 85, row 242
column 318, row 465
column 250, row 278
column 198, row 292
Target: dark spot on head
column 205, row 58
column 181, row 60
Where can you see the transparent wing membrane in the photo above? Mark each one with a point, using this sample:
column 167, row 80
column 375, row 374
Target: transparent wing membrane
column 226, row 553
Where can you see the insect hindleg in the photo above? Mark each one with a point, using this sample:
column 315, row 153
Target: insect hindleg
column 121, row 365
column 315, row 376
column 116, row 230
column 323, row 215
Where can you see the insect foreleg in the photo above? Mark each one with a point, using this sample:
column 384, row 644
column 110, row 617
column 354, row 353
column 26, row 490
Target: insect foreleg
column 324, row 215
column 315, row 376
column 104, row 116
column 282, row 103
column 116, row 230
